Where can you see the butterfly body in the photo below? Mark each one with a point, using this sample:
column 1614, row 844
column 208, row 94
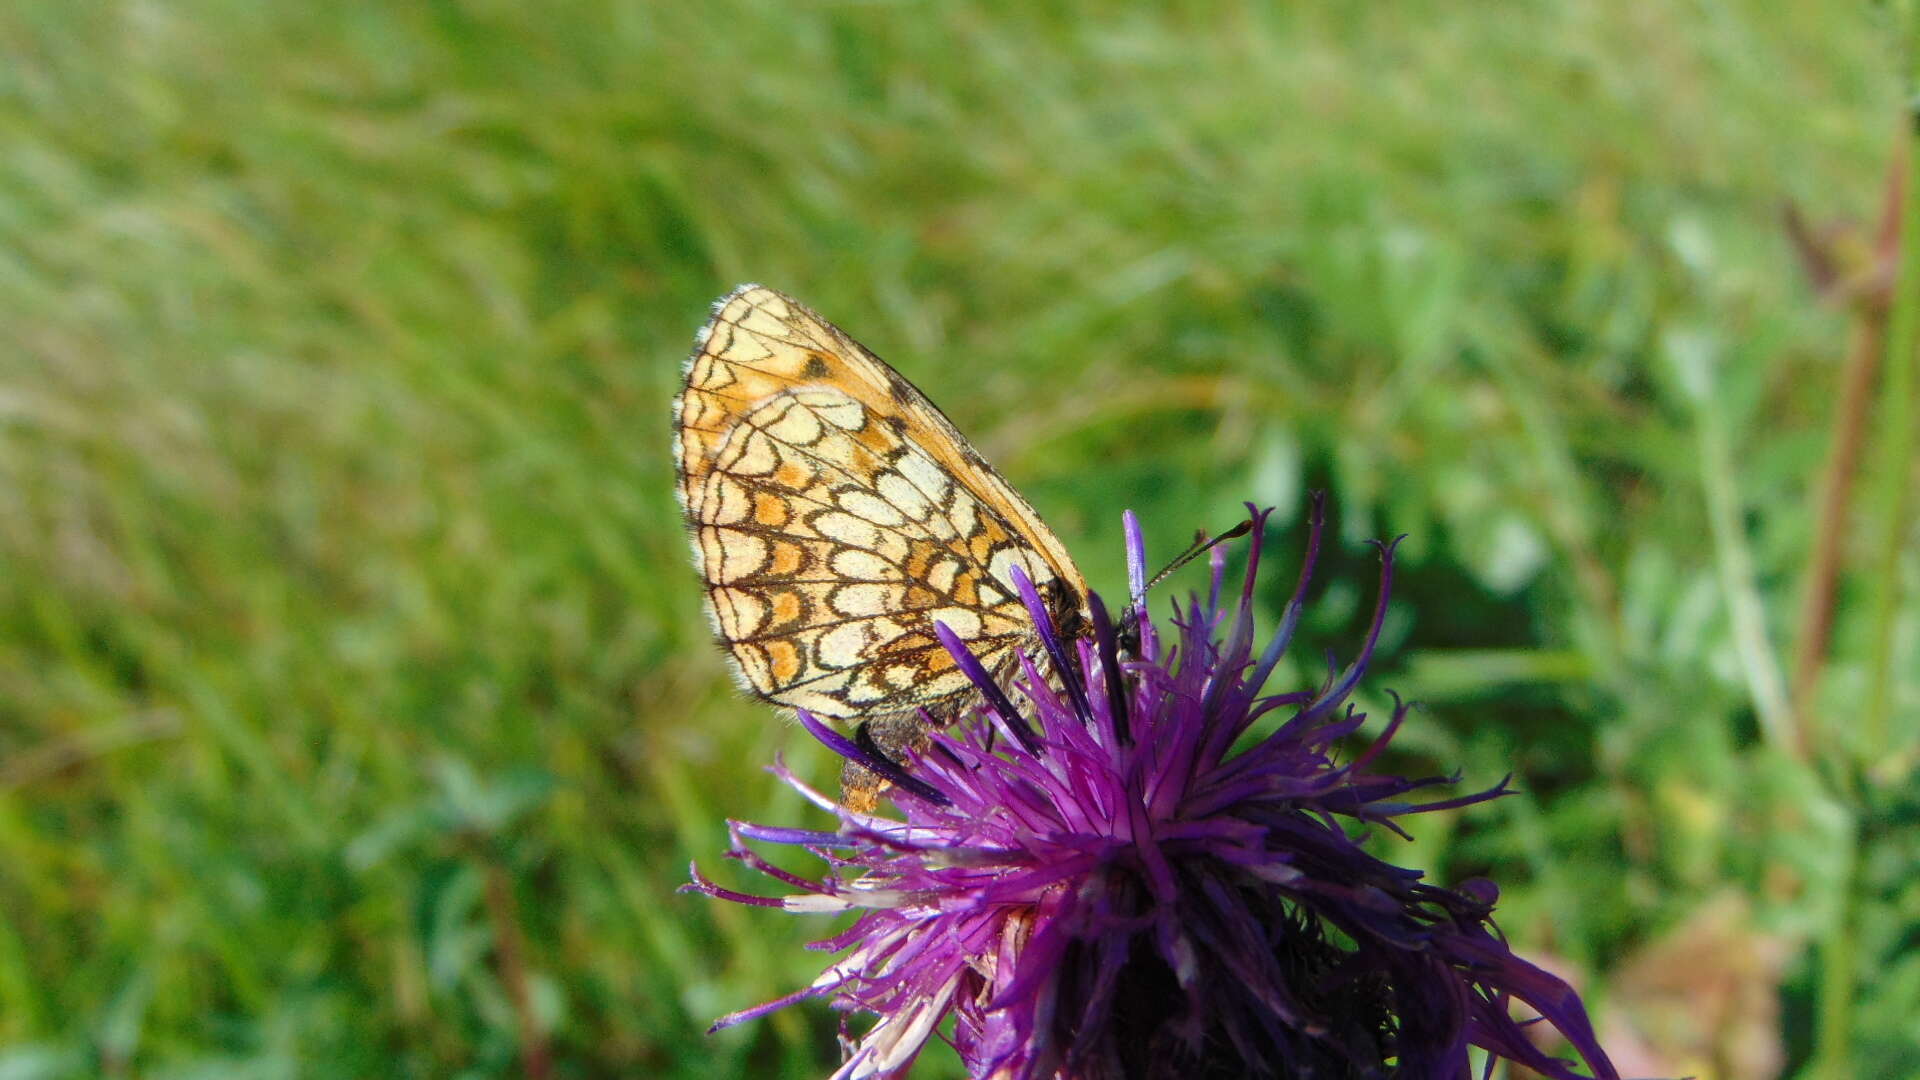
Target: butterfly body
column 836, row 514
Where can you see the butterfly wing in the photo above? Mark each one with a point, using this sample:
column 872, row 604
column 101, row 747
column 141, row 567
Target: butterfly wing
column 836, row 514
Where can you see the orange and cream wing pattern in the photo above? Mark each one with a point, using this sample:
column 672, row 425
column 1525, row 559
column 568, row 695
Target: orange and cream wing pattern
column 836, row 514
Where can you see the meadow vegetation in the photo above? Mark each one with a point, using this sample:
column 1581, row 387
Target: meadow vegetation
column 358, row 715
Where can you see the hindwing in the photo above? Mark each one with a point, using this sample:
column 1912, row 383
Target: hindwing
column 836, row 514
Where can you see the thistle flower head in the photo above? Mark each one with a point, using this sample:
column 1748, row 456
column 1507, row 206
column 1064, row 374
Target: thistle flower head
column 1103, row 873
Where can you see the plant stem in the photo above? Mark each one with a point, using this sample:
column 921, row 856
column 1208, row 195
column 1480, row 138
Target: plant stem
column 1836, row 493
column 1744, row 608
column 1896, row 473
column 509, row 951
column 1833, row 1037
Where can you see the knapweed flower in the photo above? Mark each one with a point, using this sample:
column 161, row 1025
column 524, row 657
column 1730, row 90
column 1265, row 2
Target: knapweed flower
column 1118, row 878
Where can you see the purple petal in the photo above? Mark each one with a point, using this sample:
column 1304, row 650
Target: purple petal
column 1050, row 641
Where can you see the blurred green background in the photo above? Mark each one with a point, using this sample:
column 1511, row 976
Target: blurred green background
column 357, row 713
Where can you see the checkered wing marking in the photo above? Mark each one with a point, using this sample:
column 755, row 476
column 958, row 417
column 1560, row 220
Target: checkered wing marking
column 836, row 513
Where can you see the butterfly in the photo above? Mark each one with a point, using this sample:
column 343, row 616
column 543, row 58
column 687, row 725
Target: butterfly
column 836, row 514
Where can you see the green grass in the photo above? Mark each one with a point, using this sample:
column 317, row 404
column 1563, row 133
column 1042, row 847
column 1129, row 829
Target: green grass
column 340, row 575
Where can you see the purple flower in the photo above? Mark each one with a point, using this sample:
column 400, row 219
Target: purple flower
column 1103, row 882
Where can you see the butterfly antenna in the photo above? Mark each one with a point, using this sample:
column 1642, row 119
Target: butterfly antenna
column 1200, row 546
column 1129, row 619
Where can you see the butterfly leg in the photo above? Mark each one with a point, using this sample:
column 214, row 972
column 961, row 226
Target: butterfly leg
column 892, row 735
